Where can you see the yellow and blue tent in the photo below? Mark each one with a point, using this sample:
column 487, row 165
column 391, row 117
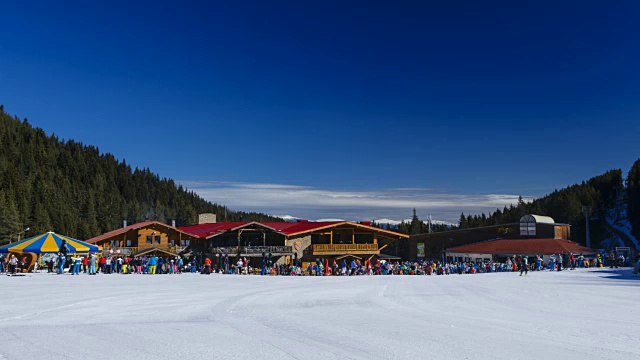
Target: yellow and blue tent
column 49, row 243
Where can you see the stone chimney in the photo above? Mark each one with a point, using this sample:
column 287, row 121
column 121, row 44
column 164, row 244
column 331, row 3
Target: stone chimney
column 124, row 223
column 207, row 219
column 173, row 223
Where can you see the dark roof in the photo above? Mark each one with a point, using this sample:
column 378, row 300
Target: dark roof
column 523, row 246
column 458, row 230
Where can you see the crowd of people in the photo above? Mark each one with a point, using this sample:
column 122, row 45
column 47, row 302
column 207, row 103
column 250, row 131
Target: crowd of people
column 91, row 264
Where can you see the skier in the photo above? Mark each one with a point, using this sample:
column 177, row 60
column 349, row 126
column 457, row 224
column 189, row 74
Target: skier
column 92, row 264
column 621, row 260
column 61, row 261
column 13, row 264
column 598, row 260
column 538, row 263
column 76, row 265
column 612, row 260
column 64, row 248
column 559, row 262
column 581, row 260
column 552, row 262
column 572, row 262
column 524, row 265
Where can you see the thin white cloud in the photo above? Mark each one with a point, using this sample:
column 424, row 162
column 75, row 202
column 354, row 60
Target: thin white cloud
column 314, row 203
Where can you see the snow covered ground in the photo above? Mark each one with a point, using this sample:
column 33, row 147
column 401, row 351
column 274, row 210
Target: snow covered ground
column 579, row 314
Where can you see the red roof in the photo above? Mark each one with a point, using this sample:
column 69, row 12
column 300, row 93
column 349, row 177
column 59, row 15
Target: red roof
column 285, row 228
column 208, row 230
column 524, row 247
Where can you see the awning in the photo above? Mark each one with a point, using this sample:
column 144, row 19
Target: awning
column 49, row 243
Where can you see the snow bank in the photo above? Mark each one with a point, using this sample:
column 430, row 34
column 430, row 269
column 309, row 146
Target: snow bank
column 571, row 315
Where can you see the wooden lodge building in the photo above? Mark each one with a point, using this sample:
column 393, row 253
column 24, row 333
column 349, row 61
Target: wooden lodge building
column 285, row 241
column 144, row 238
column 434, row 245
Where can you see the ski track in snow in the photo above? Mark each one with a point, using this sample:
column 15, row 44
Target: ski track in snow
column 571, row 315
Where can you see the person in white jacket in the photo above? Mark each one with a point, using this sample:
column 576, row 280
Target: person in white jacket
column 559, row 262
column 13, row 264
column 524, row 265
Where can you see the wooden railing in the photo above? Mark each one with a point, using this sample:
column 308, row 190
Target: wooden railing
column 335, row 248
column 119, row 251
column 254, row 250
column 177, row 249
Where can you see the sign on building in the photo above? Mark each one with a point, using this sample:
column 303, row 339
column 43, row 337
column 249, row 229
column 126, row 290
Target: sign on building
column 421, row 250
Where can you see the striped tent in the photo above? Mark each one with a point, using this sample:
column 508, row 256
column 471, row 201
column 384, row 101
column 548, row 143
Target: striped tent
column 49, row 243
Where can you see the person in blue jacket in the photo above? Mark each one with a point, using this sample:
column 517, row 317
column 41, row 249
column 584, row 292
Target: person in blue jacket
column 61, row 260
column 153, row 262
column 76, row 265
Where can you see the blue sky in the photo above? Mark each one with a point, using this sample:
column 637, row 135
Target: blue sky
column 336, row 109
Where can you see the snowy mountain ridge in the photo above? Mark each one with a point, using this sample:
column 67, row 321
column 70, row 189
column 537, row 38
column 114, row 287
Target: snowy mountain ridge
column 384, row 221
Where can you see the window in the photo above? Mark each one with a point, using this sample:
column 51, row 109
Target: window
column 129, row 243
column 157, row 239
column 172, row 242
column 112, row 243
column 527, row 226
column 149, row 239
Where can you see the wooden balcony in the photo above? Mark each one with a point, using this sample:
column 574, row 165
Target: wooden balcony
column 255, row 251
column 115, row 251
column 345, row 249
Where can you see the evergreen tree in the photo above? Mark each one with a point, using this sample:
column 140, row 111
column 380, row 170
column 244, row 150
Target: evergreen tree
column 462, row 223
column 416, row 226
column 633, row 197
column 9, row 218
column 65, row 186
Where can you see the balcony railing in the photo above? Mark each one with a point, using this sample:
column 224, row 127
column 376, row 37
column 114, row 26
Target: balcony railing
column 119, row 251
column 252, row 250
column 345, row 248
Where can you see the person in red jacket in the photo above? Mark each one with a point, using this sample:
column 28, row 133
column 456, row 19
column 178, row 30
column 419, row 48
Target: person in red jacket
column 572, row 262
column 85, row 263
column 102, row 262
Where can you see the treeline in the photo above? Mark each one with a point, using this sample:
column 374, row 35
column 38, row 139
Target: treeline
column 414, row 226
column 51, row 184
column 633, row 198
column 564, row 206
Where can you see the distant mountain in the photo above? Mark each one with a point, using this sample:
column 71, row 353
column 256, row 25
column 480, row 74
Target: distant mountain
column 288, row 218
column 394, row 223
column 397, row 222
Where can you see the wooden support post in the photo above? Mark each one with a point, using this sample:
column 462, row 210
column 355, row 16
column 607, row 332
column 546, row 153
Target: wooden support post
column 331, row 238
column 264, row 238
column 239, row 237
column 353, row 236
